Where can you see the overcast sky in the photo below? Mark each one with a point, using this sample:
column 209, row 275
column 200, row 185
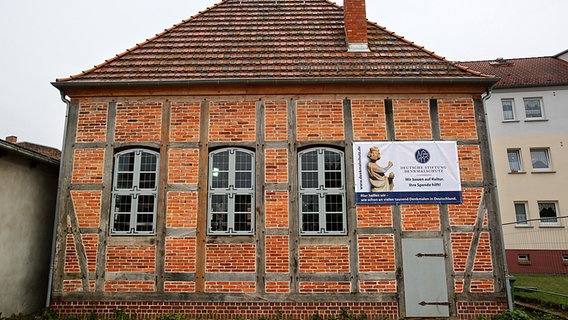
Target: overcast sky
column 42, row 40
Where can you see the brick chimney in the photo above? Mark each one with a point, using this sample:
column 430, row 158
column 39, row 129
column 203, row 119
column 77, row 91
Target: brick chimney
column 355, row 19
column 12, row 139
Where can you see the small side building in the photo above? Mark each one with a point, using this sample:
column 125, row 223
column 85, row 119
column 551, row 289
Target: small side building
column 28, row 192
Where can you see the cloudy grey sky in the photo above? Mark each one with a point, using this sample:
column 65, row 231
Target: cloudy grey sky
column 42, row 40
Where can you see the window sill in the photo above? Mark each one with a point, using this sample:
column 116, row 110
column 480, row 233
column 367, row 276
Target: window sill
column 544, row 171
column 523, row 226
column 536, row 120
column 517, row 172
column 552, row 226
column 511, row 121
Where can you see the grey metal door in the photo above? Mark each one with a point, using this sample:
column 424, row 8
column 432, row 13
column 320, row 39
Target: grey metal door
column 425, row 289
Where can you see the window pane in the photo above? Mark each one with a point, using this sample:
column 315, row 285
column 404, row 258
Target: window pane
column 533, row 108
column 124, row 180
column 332, row 161
column 310, row 203
column 310, row 161
column 121, row 222
column 147, row 180
column 521, row 213
column 547, row 212
column 243, row 222
column 219, row 222
column 243, row 180
column 220, row 180
column 146, row 203
column 145, row 222
column 514, row 160
column 243, row 161
column 219, row 203
column 539, row 159
column 310, row 222
column 309, row 180
column 126, row 162
column 334, row 212
column 220, row 161
column 333, row 180
column 508, row 110
column 123, row 203
column 148, row 162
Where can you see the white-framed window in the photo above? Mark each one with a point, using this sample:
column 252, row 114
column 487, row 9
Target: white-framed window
column 514, row 158
column 533, row 108
column 322, row 204
column 540, row 159
column 565, row 259
column 524, row 258
column 548, row 213
column 508, row 107
column 135, row 192
column 231, row 198
column 521, row 213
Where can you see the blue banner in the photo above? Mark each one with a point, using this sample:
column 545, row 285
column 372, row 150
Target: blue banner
column 393, row 197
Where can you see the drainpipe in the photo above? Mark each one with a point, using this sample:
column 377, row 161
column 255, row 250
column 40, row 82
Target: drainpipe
column 56, row 217
column 496, row 195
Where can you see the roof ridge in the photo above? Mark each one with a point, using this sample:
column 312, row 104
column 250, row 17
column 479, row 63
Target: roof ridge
column 138, row 45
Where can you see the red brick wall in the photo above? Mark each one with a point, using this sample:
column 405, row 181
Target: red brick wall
column 131, row 258
column 182, row 210
column 457, row 119
column 231, row 258
column 412, row 119
column 276, row 165
column 138, row 121
column 376, row 253
column 232, row 121
column 183, row 165
column 369, row 123
column 276, row 204
column 87, row 206
column 92, row 122
column 319, row 120
column 324, row 258
column 420, row 217
column 541, row 261
column 88, row 166
column 180, row 254
column 277, row 254
column 374, row 216
column 184, row 122
column 276, row 120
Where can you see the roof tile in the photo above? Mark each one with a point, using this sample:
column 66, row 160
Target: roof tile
column 246, row 39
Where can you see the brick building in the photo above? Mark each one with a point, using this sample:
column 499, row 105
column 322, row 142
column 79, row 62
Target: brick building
column 209, row 171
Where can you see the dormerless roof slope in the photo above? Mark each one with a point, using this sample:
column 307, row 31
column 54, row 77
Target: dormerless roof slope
column 524, row 72
column 269, row 39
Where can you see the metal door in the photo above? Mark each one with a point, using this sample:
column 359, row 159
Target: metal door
column 425, row 289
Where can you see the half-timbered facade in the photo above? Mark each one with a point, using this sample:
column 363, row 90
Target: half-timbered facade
column 209, row 171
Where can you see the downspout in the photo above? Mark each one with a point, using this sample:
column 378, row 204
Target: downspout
column 508, row 288
column 56, row 217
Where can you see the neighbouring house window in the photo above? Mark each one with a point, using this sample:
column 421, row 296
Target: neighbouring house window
column 548, row 213
column 533, row 108
column 521, row 215
column 322, row 191
column 135, row 192
column 565, row 259
column 524, row 259
column 540, row 159
column 508, row 106
column 514, row 156
column 231, row 192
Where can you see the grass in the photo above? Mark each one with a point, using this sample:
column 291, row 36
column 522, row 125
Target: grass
column 549, row 283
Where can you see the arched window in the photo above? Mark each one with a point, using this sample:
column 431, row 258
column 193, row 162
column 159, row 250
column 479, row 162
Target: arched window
column 135, row 192
column 322, row 191
column 231, row 192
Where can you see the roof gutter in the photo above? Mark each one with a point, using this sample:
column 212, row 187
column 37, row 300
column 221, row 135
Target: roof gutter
column 276, row 81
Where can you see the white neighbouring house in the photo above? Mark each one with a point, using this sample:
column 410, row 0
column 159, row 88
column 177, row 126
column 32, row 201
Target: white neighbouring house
column 527, row 116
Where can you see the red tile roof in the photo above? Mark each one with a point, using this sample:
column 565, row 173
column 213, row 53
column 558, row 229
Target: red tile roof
column 251, row 39
column 526, row 72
